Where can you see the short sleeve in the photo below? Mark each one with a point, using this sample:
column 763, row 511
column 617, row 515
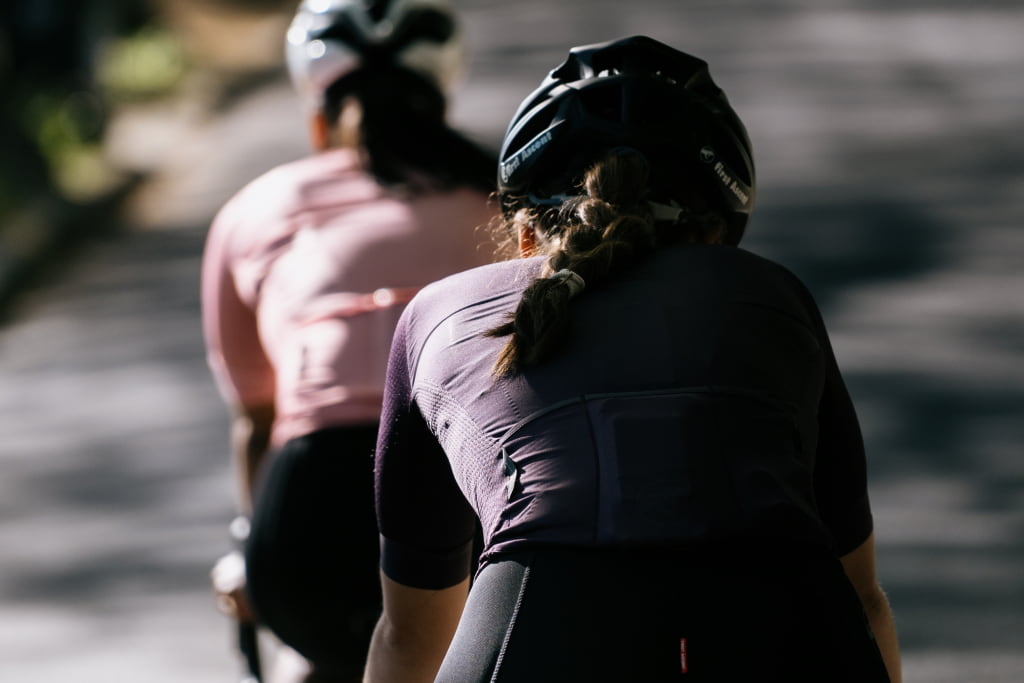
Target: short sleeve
column 426, row 525
column 243, row 374
column 840, row 469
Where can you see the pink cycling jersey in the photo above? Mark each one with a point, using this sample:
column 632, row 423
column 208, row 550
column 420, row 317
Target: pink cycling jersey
column 305, row 273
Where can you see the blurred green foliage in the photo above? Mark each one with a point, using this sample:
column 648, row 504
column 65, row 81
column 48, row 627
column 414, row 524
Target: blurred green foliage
column 146, row 64
column 55, row 110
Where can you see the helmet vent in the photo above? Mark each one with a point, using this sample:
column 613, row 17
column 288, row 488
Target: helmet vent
column 639, row 93
column 419, row 24
column 377, row 9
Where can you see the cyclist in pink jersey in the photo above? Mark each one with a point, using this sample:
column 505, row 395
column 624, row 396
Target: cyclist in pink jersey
column 305, row 273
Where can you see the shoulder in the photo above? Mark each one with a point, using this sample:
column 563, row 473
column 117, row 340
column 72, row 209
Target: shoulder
column 740, row 265
column 732, row 258
column 769, row 282
column 768, row 265
column 492, row 287
column 780, row 273
column 481, row 283
column 730, row 276
column 265, row 205
column 287, row 182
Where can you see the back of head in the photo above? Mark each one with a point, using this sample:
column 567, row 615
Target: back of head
column 637, row 93
column 627, row 146
column 394, row 58
column 330, row 39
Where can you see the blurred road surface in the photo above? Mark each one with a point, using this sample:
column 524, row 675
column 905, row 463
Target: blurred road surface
column 891, row 179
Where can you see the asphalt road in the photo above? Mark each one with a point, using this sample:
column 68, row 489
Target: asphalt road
column 891, row 179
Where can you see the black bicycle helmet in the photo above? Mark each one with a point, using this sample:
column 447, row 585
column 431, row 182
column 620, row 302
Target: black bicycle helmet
column 329, row 39
column 635, row 92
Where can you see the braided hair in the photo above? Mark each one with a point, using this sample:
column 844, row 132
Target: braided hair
column 589, row 240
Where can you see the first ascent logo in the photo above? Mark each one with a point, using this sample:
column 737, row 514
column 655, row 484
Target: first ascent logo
column 737, row 187
column 520, row 157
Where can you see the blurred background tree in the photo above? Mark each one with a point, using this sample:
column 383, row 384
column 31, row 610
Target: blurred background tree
column 65, row 67
column 69, row 70
column 55, row 108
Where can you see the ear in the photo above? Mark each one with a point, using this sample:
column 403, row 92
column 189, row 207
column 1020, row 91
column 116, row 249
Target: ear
column 527, row 241
column 319, row 132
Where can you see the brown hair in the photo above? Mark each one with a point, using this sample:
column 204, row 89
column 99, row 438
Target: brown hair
column 404, row 134
column 596, row 236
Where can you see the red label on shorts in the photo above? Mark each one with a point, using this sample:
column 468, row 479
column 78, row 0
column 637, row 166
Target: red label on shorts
column 683, row 666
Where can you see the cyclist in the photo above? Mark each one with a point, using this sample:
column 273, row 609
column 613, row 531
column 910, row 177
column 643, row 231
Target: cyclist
column 305, row 273
column 648, row 421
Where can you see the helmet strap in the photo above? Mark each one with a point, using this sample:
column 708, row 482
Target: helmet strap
column 672, row 213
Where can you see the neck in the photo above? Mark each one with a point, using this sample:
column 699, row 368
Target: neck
column 345, row 131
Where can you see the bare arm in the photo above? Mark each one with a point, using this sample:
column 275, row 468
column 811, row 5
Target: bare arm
column 414, row 632
column 859, row 565
column 250, row 439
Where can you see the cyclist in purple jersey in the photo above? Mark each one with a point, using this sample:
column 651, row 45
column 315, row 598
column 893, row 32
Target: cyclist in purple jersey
column 305, row 273
column 648, row 421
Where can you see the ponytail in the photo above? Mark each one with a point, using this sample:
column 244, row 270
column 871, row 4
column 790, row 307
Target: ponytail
column 598, row 234
column 590, row 239
column 404, row 134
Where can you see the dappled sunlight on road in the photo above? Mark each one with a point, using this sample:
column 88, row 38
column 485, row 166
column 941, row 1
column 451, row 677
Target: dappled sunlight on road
column 891, row 174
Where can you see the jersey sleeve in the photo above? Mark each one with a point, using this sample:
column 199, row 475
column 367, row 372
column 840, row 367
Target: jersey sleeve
column 426, row 524
column 239, row 365
column 840, row 469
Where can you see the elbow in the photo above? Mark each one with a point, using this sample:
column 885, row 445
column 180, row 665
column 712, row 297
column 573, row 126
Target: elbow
column 401, row 641
column 873, row 599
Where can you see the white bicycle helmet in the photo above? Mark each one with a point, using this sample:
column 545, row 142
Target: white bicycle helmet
column 329, row 39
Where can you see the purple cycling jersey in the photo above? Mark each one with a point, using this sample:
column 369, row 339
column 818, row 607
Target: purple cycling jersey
column 696, row 399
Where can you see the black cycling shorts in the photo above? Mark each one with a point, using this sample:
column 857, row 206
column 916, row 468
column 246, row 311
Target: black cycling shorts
column 313, row 550
column 655, row 616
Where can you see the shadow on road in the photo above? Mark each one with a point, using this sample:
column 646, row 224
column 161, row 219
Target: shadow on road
column 892, row 172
